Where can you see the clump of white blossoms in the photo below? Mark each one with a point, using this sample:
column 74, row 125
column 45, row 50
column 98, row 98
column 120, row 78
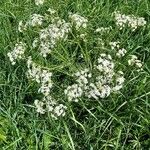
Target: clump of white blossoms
column 105, row 64
column 105, row 82
column 98, row 91
column 39, row 2
column 36, row 20
column 22, row 26
column 134, row 61
column 131, row 21
column 114, row 45
column 41, row 76
column 51, row 11
column 78, row 21
column 120, row 51
column 47, row 104
column 119, row 81
column 39, row 106
column 52, row 34
column 103, row 77
column 102, row 86
column 96, row 85
column 83, row 76
column 17, row 53
column 73, row 92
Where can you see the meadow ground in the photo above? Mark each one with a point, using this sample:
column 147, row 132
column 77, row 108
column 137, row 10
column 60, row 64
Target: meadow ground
column 117, row 120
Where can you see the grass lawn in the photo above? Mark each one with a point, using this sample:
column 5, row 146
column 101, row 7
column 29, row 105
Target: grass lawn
column 82, row 83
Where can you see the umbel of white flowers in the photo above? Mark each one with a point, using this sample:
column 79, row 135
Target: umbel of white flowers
column 133, row 61
column 131, row 21
column 41, row 76
column 17, row 53
column 104, row 82
column 56, row 31
column 78, row 21
column 52, row 34
column 120, row 52
column 39, row 2
column 47, row 104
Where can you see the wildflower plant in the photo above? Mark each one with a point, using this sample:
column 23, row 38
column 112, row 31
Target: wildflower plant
column 74, row 72
column 97, row 81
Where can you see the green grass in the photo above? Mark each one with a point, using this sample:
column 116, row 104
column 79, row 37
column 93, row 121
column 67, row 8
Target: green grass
column 119, row 122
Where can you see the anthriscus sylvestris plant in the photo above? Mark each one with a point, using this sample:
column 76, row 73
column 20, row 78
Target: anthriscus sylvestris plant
column 105, row 76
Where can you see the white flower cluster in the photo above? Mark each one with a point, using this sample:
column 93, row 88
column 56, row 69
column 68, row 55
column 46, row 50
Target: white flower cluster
column 35, row 20
column 35, row 42
column 114, row 45
column 134, row 61
column 78, row 21
column 105, row 64
column 131, row 21
column 57, row 30
column 47, row 104
column 120, row 51
column 103, row 84
column 49, row 36
column 39, row 2
column 102, row 87
column 82, row 37
column 39, row 106
column 51, row 11
column 17, row 53
column 103, row 30
column 119, row 80
column 75, row 91
column 82, row 77
column 98, row 90
column 43, row 77
column 22, row 27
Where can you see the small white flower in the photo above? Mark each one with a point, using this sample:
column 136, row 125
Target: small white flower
column 105, row 64
column 119, row 81
column 73, row 92
column 129, row 20
column 42, row 77
column 22, row 27
column 39, row 106
column 83, row 77
column 79, row 21
column 114, row 45
column 47, row 104
column 121, row 53
column 60, row 110
column 39, row 2
column 52, row 34
column 36, row 20
column 51, row 11
column 35, row 43
column 17, row 53
column 134, row 61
